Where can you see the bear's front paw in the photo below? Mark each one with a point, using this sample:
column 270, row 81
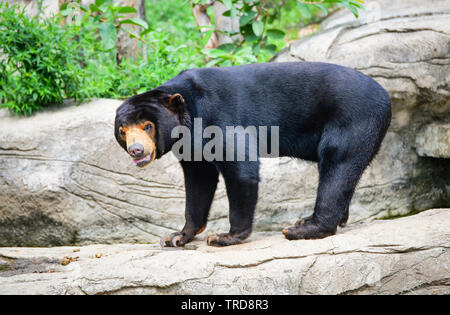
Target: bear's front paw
column 176, row 239
column 307, row 229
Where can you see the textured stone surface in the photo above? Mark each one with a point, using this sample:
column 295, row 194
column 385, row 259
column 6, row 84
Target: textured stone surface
column 410, row 255
column 434, row 141
column 49, row 7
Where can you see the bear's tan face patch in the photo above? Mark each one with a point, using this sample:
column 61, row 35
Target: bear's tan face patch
column 142, row 134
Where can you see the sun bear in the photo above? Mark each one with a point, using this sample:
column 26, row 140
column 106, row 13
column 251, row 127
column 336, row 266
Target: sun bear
column 330, row 114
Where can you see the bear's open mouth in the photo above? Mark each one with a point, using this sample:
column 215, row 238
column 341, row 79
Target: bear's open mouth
column 144, row 161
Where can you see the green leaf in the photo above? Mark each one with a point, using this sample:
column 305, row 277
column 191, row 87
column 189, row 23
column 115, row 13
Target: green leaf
column 108, row 34
column 358, row 3
column 275, row 34
column 135, row 21
column 258, row 28
column 246, row 18
column 126, row 9
column 226, row 13
column 227, row 47
column 256, row 48
column 227, row 63
column 216, row 53
column 270, row 49
column 146, row 31
column 322, row 8
column 304, row 10
column 228, row 4
column 94, row 8
column 353, row 9
column 247, row 32
column 207, row 36
column 213, row 62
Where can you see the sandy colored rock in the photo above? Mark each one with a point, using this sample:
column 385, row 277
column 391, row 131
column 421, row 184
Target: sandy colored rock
column 434, row 141
column 410, row 255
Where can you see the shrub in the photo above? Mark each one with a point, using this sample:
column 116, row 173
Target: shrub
column 38, row 62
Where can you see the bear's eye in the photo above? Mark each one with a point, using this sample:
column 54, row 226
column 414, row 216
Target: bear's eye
column 121, row 132
column 148, row 127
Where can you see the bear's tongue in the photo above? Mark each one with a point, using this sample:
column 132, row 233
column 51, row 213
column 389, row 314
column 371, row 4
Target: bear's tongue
column 135, row 162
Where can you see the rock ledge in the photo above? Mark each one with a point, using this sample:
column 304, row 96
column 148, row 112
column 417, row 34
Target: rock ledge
column 409, row 255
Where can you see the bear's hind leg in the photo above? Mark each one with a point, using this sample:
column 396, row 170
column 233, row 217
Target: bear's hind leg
column 341, row 164
column 334, row 194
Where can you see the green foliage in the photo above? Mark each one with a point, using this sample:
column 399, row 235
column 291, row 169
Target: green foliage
column 174, row 23
column 43, row 62
column 162, row 62
column 258, row 35
column 38, row 62
column 172, row 43
column 107, row 18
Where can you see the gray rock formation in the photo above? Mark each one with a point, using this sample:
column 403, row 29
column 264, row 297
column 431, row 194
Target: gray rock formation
column 33, row 8
column 434, row 141
column 64, row 180
column 409, row 255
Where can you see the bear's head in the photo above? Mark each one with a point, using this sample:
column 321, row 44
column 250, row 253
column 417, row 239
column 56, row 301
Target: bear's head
column 144, row 123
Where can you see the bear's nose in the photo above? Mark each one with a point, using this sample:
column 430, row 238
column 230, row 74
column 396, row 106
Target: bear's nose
column 136, row 150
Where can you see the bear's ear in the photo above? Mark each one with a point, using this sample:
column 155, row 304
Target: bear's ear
column 176, row 103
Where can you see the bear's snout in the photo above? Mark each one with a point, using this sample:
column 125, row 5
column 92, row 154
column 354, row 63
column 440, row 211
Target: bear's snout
column 136, row 150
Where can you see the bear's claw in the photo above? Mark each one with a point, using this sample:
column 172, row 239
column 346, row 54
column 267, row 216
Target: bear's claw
column 176, row 239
